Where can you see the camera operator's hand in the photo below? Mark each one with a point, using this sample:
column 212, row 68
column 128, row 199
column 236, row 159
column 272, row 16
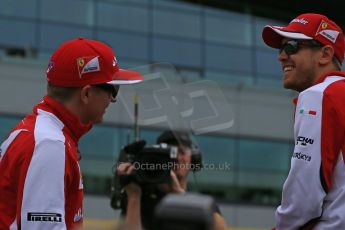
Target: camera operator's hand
column 175, row 183
column 132, row 189
column 133, row 219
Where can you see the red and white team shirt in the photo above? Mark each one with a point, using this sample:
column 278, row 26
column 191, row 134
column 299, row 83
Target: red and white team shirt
column 314, row 191
column 40, row 181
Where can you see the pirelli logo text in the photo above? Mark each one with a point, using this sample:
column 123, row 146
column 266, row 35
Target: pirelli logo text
column 44, row 217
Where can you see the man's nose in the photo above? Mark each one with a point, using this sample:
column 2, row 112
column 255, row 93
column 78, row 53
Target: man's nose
column 282, row 56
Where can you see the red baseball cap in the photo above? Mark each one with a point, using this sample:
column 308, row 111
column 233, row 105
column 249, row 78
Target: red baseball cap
column 80, row 62
column 308, row 27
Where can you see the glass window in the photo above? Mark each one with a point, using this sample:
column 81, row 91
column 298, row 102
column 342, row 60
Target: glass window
column 263, row 163
column 6, row 125
column 229, row 58
column 210, row 11
column 179, row 52
column 182, row 25
column 218, row 158
column 132, row 1
column 260, row 23
column 229, row 77
column 126, row 63
column 216, row 149
column 19, row 8
column 228, row 30
column 190, row 75
column 176, row 5
column 122, row 17
column 17, row 33
column 76, row 11
column 150, row 136
column 264, row 155
column 201, row 106
column 269, row 80
column 100, row 149
column 51, row 35
column 126, row 45
column 102, row 142
column 267, row 62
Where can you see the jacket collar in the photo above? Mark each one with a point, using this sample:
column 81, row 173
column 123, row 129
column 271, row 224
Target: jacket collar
column 71, row 122
column 333, row 73
column 322, row 79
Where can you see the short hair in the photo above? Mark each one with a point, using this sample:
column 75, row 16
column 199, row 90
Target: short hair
column 61, row 94
column 175, row 138
column 336, row 62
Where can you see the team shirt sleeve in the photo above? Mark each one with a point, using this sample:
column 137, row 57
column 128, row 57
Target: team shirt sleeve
column 43, row 202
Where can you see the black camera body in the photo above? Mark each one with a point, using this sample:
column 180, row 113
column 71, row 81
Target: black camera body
column 152, row 166
column 152, row 163
column 185, row 211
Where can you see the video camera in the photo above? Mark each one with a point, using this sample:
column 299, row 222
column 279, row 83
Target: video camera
column 152, row 163
column 152, row 166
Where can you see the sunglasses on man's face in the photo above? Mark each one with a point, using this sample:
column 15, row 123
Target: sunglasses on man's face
column 293, row 46
column 112, row 89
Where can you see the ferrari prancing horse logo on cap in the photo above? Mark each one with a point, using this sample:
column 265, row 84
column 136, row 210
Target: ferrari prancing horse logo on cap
column 327, row 31
column 88, row 65
column 81, row 62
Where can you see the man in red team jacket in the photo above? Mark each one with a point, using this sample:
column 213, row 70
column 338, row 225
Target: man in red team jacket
column 40, row 180
column 311, row 50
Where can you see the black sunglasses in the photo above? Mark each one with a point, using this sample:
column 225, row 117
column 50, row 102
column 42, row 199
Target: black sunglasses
column 113, row 89
column 293, row 46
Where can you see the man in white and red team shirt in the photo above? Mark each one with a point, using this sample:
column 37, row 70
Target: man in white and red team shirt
column 40, row 180
column 311, row 50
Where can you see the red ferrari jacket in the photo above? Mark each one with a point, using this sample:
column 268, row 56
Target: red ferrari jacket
column 40, row 181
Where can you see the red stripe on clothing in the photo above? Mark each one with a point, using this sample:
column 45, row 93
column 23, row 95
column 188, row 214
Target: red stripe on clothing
column 332, row 127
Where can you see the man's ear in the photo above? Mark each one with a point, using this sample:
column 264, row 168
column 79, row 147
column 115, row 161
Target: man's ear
column 326, row 55
column 85, row 94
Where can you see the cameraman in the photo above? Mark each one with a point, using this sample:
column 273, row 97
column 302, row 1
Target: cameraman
column 139, row 204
